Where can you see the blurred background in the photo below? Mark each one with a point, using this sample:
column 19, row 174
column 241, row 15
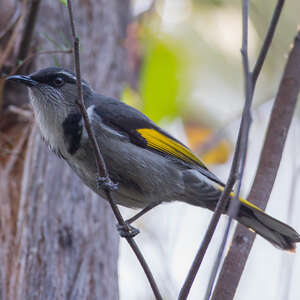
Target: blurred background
column 186, row 74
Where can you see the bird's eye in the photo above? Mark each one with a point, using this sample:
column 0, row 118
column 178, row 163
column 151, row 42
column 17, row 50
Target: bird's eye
column 58, row 81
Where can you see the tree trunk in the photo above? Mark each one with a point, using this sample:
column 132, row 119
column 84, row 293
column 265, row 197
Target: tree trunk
column 58, row 239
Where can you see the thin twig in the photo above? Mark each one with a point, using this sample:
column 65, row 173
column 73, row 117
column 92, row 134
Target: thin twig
column 280, row 120
column 245, row 122
column 207, row 238
column 102, row 170
column 5, row 55
column 24, row 113
column 10, row 44
column 28, row 30
column 250, row 82
column 246, row 116
column 33, row 55
column 267, row 41
column 237, row 167
column 12, row 21
column 217, row 263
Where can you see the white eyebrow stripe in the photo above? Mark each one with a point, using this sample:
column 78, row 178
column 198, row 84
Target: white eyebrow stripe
column 67, row 74
column 72, row 76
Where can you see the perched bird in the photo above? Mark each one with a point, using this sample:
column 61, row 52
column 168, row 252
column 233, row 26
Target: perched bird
column 147, row 163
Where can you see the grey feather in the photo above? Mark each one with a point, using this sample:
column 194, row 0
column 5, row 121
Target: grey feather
column 144, row 176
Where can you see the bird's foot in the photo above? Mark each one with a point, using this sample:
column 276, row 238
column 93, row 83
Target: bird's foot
column 127, row 231
column 106, row 183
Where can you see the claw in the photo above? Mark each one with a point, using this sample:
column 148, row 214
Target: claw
column 106, row 183
column 127, row 231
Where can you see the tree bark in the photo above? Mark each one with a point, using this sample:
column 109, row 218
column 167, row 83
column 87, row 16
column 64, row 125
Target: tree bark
column 58, row 239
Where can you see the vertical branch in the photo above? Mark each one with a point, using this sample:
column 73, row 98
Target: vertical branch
column 208, row 235
column 101, row 166
column 270, row 158
column 237, row 167
column 250, row 83
column 244, row 136
column 28, row 30
column 267, row 41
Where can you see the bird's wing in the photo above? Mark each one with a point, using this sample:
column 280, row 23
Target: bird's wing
column 144, row 133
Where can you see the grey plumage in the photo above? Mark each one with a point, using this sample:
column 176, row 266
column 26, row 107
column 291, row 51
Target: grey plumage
column 145, row 173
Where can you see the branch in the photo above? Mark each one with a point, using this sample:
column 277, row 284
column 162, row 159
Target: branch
column 101, row 166
column 251, row 79
column 279, row 124
column 9, row 45
column 33, row 55
column 268, row 40
column 12, row 21
column 237, row 167
column 28, row 30
column 4, row 56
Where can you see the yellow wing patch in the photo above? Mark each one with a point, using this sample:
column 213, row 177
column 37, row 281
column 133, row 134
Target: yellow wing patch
column 160, row 142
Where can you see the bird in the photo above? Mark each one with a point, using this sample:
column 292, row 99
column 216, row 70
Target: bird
column 146, row 164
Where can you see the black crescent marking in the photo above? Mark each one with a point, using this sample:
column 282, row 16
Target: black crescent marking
column 72, row 128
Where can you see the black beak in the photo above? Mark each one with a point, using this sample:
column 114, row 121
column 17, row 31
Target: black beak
column 23, row 79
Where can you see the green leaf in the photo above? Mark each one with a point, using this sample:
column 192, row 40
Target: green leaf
column 64, row 2
column 160, row 85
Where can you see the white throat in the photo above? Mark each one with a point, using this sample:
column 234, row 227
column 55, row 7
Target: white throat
column 48, row 122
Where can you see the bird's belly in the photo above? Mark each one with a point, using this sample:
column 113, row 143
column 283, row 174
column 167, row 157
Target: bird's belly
column 142, row 176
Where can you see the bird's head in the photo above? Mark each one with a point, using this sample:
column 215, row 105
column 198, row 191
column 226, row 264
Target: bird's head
column 52, row 88
column 53, row 94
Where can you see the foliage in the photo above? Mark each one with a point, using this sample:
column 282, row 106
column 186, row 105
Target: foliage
column 159, row 82
column 64, row 2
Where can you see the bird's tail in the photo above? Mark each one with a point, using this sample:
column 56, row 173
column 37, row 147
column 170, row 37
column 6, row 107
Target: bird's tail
column 201, row 193
column 279, row 234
